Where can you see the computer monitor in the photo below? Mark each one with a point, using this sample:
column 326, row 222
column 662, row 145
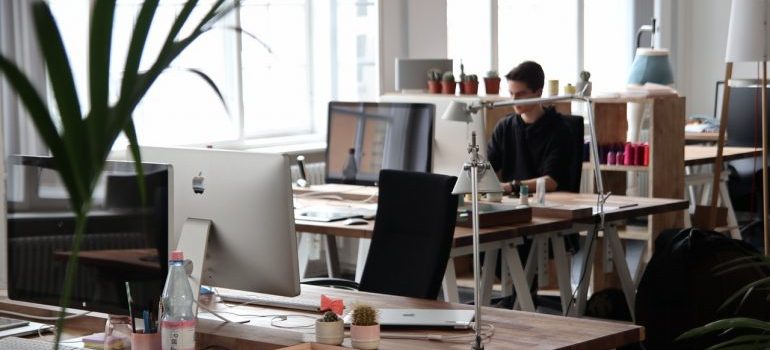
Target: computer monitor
column 248, row 198
column 125, row 240
column 412, row 73
column 381, row 135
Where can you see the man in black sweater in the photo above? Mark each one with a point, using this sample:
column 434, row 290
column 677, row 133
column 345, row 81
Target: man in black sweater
column 532, row 143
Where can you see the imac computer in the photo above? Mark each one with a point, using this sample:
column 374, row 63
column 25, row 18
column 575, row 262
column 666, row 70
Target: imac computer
column 125, row 238
column 247, row 199
column 364, row 137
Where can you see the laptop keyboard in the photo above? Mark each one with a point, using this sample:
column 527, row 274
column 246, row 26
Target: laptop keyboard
column 15, row 343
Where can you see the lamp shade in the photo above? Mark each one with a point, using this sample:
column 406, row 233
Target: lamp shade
column 487, row 181
column 458, row 112
column 747, row 36
column 651, row 66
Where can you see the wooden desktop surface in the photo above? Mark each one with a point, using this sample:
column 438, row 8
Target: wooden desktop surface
column 701, row 136
column 513, row 329
column 462, row 237
column 696, row 155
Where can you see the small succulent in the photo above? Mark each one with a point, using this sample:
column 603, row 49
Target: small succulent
column 329, row 316
column 364, row 315
column 585, row 75
column 471, row 77
column 434, row 75
column 448, row 76
column 492, row 74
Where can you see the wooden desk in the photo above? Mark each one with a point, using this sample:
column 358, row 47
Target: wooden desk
column 701, row 136
column 697, row 155
column 492, row 239
column 514, row 330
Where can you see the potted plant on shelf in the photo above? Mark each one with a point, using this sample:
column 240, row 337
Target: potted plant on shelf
column 492, row 83
column 583, row 86
column 80, row 140
column 448, row 83
column 329, row 329
column 364, row 328
column 471, row 84
column 434, row 81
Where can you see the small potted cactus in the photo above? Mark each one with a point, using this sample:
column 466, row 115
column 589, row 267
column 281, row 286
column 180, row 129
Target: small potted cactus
column 434, row 81
column 448, row 83
column 470, row 85
column 364, row 327
column 583, row 86
column 329, row 329
column 492, row 83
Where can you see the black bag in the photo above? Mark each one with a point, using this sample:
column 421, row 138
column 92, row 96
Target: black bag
column 680, row 289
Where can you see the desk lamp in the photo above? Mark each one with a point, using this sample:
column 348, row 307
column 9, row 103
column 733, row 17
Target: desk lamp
column 477, row 176
column 747, row 41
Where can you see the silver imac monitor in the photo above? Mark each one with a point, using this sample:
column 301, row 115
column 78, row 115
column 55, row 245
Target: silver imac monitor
column 248, row 198
column 412, row 73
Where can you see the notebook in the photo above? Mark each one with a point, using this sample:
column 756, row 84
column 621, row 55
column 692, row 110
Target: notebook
column 459, row 319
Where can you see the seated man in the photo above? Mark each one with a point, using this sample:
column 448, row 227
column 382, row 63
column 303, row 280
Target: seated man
column 532, row 143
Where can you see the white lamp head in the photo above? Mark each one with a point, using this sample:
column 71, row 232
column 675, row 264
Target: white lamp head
column 747, row 35
column 458, row 112
column 487, row 181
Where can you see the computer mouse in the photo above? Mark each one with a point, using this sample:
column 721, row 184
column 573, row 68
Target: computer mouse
column 355, row 221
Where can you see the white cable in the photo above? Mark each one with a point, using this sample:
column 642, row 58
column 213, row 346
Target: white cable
column 43, row 318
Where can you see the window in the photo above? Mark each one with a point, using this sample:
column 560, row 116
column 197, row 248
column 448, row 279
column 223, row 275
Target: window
column 545, row 31
column 306, row 53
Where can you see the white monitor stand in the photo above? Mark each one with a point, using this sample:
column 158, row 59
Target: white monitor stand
column 192, row 242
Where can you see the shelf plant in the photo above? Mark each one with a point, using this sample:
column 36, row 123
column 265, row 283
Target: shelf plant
column 583, row 85
column 83, row 141
column 470, row 84
column 448, row 84
column 434, row 81
column 492, row 83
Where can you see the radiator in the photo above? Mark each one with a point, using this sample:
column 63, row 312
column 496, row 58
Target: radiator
column 313, row 171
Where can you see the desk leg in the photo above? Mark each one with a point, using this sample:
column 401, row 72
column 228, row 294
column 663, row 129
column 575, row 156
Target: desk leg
column 724, row 195
column 303, row 252
column 488, row 275
column 584, row 281
column 543, row 277
column 363, row 252
column 505, row 276
column 513, row 261
column 562, row 270
column 449, row 284
column 611, row 234
column 332, row 258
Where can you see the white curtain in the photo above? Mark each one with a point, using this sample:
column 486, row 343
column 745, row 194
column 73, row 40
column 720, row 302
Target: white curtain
column 18, row 135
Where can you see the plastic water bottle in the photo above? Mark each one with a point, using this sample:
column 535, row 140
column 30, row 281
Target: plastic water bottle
column 177, row 324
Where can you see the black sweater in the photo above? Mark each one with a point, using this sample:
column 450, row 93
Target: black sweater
column 522, row 151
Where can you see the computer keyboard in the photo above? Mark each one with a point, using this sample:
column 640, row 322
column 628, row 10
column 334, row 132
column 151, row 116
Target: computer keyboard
column 14, row 343
column 269, row 300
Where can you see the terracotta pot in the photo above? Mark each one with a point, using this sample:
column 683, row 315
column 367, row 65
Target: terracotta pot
column 332, row 333
column 434, row 86
column 448, row 87
column 470, row 87
column 365, row 337
column 492, row 86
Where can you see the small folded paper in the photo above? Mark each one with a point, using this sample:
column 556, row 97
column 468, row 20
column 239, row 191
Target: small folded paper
column 333, row 304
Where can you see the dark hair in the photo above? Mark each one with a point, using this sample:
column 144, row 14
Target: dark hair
column 528, row 72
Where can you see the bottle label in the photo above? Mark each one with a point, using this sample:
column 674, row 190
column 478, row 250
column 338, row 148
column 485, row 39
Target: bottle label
column 178, row 335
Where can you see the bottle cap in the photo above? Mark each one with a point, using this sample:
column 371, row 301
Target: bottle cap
column 177, row 255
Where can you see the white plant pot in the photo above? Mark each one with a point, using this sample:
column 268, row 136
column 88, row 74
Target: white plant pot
column 365, row 337
column 332, row 333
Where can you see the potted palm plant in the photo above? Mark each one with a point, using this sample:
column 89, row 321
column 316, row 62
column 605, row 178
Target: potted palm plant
column 83, row 141
column 364, row 328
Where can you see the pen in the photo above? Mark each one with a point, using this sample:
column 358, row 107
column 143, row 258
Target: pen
column 147, row 322
column 130, row 302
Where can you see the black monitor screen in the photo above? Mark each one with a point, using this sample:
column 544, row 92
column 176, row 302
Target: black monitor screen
column 364, row 137
column 125, row 240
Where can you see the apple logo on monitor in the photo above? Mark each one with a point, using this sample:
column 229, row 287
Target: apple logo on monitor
column 197, row 183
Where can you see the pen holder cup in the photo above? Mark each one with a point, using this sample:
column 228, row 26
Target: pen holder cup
column 145, row 341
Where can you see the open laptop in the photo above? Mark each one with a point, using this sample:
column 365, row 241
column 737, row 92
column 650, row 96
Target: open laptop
column 458, row 319
column 332, row 213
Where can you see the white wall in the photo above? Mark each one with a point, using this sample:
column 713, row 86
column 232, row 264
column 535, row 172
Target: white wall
column 410, row 29
column 702, row 39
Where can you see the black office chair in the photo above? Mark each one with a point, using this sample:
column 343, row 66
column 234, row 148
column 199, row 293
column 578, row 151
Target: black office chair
column 576, row 128
column 413, row 232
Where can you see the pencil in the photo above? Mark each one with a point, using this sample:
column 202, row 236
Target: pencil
column 130, row 302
